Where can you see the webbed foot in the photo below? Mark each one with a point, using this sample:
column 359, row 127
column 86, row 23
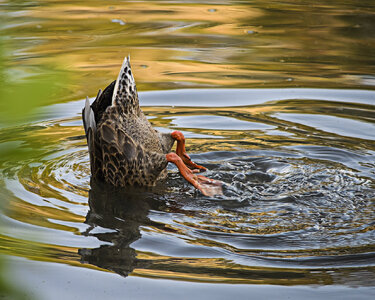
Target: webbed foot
column 208, row 187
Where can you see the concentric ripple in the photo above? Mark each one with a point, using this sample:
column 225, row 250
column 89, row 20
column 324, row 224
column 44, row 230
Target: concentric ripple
column 298, row 204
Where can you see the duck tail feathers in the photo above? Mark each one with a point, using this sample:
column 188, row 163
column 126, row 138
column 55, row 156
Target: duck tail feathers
column 125, row 91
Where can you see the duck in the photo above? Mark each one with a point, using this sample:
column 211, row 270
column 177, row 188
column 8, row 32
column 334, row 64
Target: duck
column 125, row 150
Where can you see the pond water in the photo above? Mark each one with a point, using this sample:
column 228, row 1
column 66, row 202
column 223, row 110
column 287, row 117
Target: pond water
column 276, row 99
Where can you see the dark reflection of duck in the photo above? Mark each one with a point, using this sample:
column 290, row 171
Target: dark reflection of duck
column 124, row 148
column 120, row 214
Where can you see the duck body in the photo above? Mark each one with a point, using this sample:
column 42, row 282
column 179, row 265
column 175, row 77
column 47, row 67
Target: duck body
column 125, row 150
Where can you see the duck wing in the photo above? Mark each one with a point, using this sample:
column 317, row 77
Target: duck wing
column 125, row 162
column 91, row 117
column 92, row 114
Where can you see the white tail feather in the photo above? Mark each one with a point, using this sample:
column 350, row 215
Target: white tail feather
column 88, row 117
column 124, row 64
column 125, row 85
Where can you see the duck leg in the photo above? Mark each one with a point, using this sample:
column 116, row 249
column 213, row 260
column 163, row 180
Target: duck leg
column 207, row 186
column 181, row 152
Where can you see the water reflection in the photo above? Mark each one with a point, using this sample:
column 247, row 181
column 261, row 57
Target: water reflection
column 179, row 44
column 274, row 225
column 297, row 204
column 115, row 217
column 298, row 164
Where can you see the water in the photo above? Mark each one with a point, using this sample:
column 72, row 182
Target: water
column 277, row 100
column 298, row 203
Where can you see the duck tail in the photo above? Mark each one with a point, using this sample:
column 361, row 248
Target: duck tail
column 125, row 91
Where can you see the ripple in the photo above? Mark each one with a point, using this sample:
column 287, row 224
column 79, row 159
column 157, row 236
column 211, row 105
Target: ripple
column 216, row 122
column 296, row 204
column 340, row 126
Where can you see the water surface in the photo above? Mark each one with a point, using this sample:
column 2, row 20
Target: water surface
column 276, row 99
column 297, row 209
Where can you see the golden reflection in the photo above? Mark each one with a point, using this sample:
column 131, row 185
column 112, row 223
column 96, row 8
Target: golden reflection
column 28, row 213
column 221, row 271
column 175, row 45
column 294, row 133
column 134, row 12
column 41, row 252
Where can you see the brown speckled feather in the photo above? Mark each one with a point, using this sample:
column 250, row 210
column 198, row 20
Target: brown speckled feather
column 124, row 148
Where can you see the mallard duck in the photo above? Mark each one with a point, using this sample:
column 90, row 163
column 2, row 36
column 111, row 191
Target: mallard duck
column 125, row 150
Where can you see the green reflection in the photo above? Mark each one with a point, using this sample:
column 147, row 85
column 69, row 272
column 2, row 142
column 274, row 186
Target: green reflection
column 20, row 94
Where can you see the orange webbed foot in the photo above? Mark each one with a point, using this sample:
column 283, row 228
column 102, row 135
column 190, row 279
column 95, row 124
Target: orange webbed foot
column 207, row 186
